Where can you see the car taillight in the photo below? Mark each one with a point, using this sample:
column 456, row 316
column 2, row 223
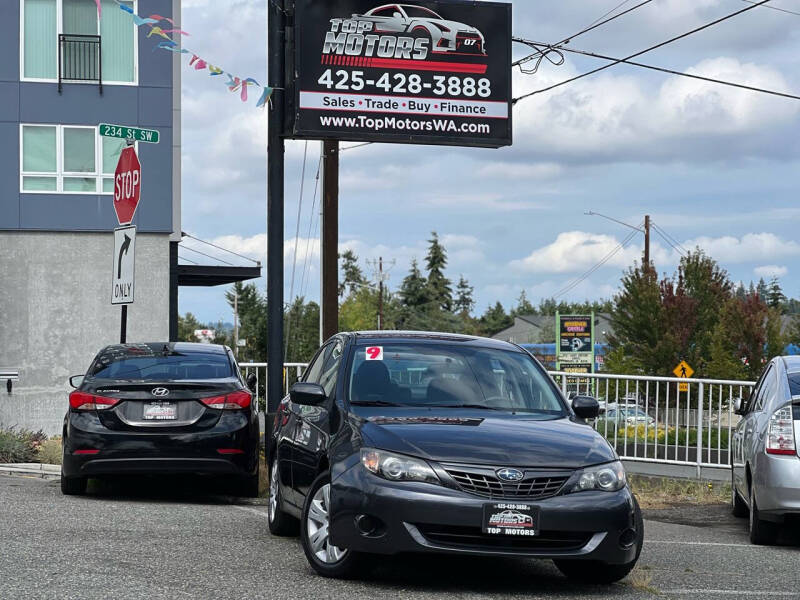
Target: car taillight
column 780, row 437
column 84, row 401
column 234, row 401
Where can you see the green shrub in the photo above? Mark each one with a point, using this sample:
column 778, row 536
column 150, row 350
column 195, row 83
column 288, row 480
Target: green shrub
column 50, row 452
column 20, row 445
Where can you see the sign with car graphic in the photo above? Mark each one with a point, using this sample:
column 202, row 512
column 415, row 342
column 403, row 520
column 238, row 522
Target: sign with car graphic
column 433, row 72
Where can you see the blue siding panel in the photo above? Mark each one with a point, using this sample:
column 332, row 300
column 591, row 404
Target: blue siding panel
column 147, row 105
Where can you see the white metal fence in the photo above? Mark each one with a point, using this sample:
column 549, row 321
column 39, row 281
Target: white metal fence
column 648, row 419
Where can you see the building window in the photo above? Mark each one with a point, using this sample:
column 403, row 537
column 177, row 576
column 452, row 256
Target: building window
column 67, row 159
column 44, row 20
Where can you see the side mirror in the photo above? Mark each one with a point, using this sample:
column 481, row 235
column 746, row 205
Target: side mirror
column 737, row 407
column 586, row 407
column 252, row 382
column 76, row 381
column 307, row 394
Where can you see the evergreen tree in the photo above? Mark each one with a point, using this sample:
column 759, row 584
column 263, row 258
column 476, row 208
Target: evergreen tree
column 464, row 302
column 353, row 276
column 775, row 296
column 301, row 326
column 523, row 307
column 761, row 289
column 414, row 289
column 495, row 320
column 187, row 325
column 439, row 288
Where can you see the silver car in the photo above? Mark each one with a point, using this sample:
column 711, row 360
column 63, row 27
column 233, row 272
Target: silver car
column 446, row 36
column 765, row 458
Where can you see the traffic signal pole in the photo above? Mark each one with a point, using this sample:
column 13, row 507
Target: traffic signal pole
column 276, row 41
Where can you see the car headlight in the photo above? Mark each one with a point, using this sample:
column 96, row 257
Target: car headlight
column 396, row 467
column 607, row 478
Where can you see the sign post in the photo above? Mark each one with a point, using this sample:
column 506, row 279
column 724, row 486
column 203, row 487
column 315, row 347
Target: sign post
column 127, row 193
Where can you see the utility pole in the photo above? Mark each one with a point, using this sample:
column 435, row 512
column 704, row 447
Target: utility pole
column 330, row 239
column 236, row 324
column 647, row 241
column 276, row 52
column 380, row 294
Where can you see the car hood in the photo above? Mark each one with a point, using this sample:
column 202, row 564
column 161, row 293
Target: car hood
column 489, row 440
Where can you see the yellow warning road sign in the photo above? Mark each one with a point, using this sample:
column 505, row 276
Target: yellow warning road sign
column 683, row 370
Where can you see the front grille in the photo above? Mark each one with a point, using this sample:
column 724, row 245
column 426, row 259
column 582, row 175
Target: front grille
column 474, row 538
column 488, row 485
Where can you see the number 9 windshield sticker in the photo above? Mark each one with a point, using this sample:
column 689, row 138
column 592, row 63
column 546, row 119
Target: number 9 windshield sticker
column 375, row 353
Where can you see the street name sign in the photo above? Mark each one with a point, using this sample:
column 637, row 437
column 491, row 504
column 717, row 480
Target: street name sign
column 123, row 268
column 127, row 185
column 136, row 134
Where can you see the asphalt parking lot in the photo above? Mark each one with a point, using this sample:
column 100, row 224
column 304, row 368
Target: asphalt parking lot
column 159, row 539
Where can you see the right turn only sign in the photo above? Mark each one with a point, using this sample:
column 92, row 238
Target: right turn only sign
column 122, row 283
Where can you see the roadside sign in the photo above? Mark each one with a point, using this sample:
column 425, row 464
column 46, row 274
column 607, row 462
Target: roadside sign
column 575, row 340
column 147, row 136
column 123, row 268
column 435, row 72
column 684, row 371
column 127, row 185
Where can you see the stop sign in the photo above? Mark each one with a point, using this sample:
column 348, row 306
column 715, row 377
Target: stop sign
column 127, row 185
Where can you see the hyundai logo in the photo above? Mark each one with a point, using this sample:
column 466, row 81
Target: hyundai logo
column 510, row 474
column 160, row 392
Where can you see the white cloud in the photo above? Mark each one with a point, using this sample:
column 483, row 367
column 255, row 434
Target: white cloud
column 770, row 271
column 752, row 247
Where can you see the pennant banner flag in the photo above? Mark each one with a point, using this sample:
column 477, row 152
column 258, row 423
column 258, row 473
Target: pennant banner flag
column 234, row 83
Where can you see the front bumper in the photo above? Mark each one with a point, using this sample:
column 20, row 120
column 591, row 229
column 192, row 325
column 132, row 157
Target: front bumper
column 418, row 517
column 138, row 452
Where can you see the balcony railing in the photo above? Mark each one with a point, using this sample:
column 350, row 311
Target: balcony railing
column 80, row 59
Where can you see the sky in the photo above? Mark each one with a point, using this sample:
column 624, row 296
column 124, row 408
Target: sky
column 714, row 167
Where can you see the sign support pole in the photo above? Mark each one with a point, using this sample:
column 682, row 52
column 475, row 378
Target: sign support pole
column 123, row 328
column 275, row 206
column 330, row 239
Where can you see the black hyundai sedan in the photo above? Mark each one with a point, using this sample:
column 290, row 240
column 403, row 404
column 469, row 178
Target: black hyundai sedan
column 161, row 408
column 419, row 442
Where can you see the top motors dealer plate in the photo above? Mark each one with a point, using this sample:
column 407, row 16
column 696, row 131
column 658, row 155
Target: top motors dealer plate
column 429, row 72
column 510, row 519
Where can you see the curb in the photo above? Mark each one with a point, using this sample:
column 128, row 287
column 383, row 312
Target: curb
column 44, row 471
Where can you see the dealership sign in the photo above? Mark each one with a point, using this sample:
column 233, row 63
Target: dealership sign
column 575, row 344
column 436, row 72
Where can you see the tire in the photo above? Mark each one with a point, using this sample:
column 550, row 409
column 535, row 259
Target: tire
column 73, row 486
column 280, row 523
column 327, row 560
column 598, row 572
column 762, row 533
column 738, row 506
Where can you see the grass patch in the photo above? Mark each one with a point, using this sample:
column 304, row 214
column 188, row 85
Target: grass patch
column 642, row 579
column 658, row 492
column 20, row 445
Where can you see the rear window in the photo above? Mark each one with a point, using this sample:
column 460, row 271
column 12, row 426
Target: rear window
column 173, row 366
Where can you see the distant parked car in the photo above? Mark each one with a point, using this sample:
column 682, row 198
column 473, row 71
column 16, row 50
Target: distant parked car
column 624, row 417
column 766, row 462
column 159, row 409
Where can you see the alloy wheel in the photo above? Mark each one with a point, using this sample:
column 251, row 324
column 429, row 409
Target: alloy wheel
column 273, row 491
column 317, row 524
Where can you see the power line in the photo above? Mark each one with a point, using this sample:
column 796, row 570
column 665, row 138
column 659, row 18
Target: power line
column 676, row 245
column 187, row 260
column 791, row 12
column 608, row 257
column 682, row 74
column 207, row 255
column 650, row 49
column 540, row 54
column 311, row 218
column 184, row 234
column 356, row 146
column 613, row 10
column 296, row 244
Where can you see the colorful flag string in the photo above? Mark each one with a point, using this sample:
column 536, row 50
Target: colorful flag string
column 234, row 83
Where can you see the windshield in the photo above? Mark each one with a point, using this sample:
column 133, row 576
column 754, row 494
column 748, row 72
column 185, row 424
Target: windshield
column 450, row 376
column 170, row 367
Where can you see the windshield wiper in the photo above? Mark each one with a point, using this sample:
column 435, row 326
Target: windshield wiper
column 478, row 406
column 375, row 403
